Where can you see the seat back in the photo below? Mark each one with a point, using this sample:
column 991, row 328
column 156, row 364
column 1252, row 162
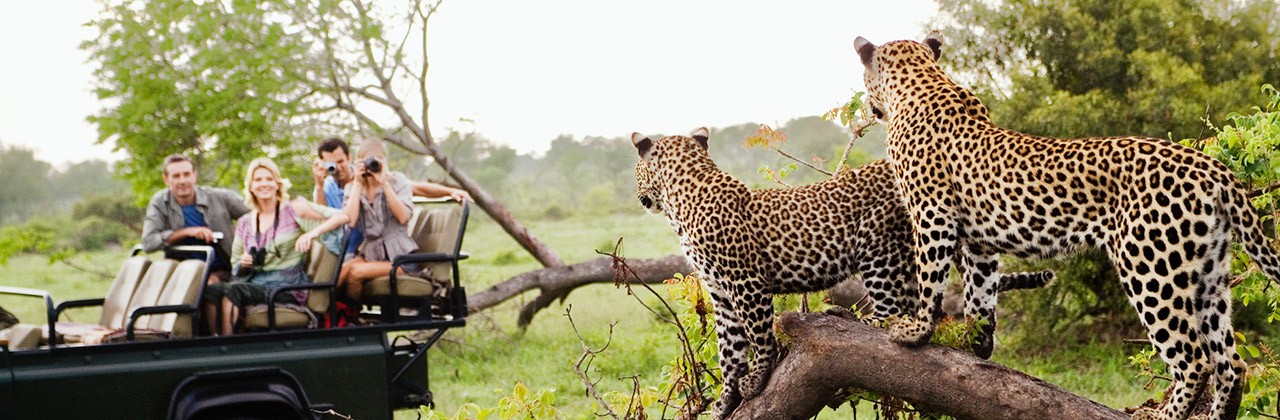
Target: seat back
column 150, row 287
column 24, row 337
column 183, row 288
column 322, row 266
column 116, row 302
column 440, row 231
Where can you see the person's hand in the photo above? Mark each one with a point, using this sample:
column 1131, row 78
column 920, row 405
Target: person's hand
column 318, row 172
column 246, row 260
column 461, row 196
column 303, row 244
column 199, row 232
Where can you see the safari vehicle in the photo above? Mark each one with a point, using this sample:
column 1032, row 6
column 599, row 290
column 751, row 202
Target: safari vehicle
column 147, row 356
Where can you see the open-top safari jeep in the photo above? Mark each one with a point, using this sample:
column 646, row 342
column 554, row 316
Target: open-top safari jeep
column 147, row 356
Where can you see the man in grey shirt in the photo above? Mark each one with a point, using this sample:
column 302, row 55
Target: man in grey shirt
column 186, row 214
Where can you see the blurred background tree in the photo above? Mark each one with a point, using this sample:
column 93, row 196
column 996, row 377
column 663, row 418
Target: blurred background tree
column 218, row 81
column 1100, row 68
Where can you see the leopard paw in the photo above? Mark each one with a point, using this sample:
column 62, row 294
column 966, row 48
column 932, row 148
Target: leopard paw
column 753, row 384
column 724, row 406
column 910, row 332
column 1146, row 413
column 842, row 312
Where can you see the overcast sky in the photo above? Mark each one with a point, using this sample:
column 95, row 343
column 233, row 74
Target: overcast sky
column 527, row 71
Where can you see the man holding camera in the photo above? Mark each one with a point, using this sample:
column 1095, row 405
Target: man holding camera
column 332, row 172
column 187, row 214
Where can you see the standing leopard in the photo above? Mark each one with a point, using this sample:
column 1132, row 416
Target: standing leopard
column 748, row 245
column 1164, row 213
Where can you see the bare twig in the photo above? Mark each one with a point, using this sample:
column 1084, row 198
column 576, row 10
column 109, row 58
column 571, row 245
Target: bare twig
column 91, row 270
column 697, row 401
column 1266, row 189
column 588, row 356
column 332, row 413
column 802, row 162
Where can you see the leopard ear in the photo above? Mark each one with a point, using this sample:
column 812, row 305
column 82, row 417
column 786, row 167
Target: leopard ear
column 642, row 143
column 865, row 50
column 934, row 41
column 701, row 135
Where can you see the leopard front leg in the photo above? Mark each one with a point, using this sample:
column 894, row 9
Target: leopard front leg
column 732, row 341
column 982, row 280
column 935, row 243
column 756, row 313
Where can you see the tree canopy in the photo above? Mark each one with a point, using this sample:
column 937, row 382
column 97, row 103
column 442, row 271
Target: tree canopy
column 1097, row 67
column 219, row 81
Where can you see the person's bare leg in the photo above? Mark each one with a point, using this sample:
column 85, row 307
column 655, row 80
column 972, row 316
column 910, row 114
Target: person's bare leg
column 228, row 316
column 235, row 318
column 364, row 272
column 221, row 276
column 211, row 317
column 344, row 273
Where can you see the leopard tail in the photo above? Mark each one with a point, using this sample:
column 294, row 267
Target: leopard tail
column 1248, row 231
column 1020, row 281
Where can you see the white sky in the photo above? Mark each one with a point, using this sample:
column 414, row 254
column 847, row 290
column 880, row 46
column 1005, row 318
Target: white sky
column 527, row 71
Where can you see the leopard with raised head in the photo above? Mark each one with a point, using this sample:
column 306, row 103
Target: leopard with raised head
column 749, row 245
column 1164, row 213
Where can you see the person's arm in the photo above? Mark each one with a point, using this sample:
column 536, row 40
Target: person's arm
column 433, row 190
column 332, row 219
column 235, row 204
column 355, row 192
column 240, row 260
column 402, row 205
column 318, row 174
column 155, row 232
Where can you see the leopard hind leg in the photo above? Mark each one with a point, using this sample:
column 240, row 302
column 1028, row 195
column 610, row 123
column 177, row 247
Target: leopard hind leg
column 1166, row 309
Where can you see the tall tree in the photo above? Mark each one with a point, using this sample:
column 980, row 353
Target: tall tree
column 216, row 80
column 1074, row 68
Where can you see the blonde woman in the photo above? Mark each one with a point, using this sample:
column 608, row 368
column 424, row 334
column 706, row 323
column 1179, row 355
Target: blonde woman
column 385, row 199
column 270, row 246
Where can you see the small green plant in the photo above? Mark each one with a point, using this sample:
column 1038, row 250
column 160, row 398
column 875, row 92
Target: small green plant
column 519, row 404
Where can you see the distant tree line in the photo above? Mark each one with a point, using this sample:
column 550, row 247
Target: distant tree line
column 33, row 187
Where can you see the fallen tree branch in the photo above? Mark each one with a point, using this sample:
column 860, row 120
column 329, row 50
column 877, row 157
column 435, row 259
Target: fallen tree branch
column 828, row 354
column 555, row 283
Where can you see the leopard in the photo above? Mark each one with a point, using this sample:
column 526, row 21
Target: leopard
column 1164, row 213
column 749, row 245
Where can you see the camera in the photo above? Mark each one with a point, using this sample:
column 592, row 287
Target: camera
column 259, row 256
column 372, row 165
column 330, row 167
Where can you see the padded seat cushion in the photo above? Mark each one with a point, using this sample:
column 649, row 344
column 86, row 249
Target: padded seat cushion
column 287, row 316
column 408, row 286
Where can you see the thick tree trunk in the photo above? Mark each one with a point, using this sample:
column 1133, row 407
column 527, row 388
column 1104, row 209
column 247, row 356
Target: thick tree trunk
column 828, row 354
column 556, row 282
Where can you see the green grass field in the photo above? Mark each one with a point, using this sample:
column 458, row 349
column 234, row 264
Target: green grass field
column 482, row 362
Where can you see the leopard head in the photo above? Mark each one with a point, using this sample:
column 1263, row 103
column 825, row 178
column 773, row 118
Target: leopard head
column 655, row 154
column 646, row 192
column 889, row 64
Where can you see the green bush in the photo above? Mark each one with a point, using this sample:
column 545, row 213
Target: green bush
column 95, row 233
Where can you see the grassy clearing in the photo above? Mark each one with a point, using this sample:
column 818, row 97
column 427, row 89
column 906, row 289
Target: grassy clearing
column 482, row 362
